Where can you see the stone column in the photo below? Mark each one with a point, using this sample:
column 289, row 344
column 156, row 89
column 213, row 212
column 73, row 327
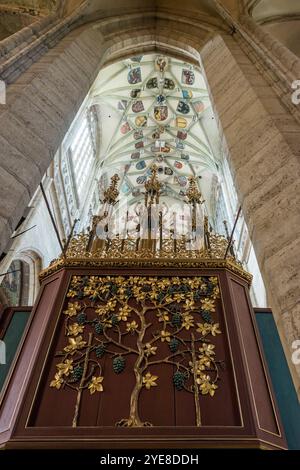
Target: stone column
column 266, row 172
column 40, row 107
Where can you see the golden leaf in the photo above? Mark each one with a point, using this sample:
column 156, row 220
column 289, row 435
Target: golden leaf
column 204, row 361
column 214, row 281
column 188, row 321
column 102, row 310
column 207, row 349
column 75, row 329
column 178, row 297
column 215, row 329
column 131, row 327
column 124, row 313
column 206, row 387
column 73, row 309
column 72, row 293
column 153, row 295
column 150, row 350
column 57, row 382
column 74, row 344
column 203, row 328
column 189, row 305
column 163, row 316
column 111, row 305
column 76, row 281
column 207, row 328
column 95, row 385
column 165, row 336
column 149, row 380
column 208, row 304
column 64, row 368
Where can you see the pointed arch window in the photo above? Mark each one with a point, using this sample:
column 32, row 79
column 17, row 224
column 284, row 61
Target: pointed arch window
column 82, row 156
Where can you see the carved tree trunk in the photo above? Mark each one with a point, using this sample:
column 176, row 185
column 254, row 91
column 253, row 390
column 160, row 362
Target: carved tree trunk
column 134, row 418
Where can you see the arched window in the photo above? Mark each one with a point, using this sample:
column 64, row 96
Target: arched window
column 20, row 285
column 15, row 284
column 82, row 155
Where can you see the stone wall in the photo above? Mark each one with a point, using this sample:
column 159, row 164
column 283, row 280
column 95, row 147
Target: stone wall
column 266, row 172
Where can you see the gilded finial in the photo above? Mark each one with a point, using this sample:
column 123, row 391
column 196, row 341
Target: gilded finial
column 112, row 192
column 152, row 187
column 193, row 194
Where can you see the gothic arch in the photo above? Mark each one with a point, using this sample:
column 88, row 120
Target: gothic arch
column 34, row 262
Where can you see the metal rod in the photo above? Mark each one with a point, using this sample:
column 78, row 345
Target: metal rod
column 149, row 223
column 206, row 234
column 174, row 230
column 232, row 232
column 21, row 233
column 160, row 230
column 52, row 219
column 8, row 272
column 226, row 229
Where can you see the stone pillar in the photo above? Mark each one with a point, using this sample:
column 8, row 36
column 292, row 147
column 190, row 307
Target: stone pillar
column 41, row 105
column 266, row 172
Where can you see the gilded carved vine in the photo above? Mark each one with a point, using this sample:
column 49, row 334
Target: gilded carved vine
column 125, row 307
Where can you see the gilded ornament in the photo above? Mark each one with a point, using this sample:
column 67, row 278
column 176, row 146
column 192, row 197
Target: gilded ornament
column 64, row 368
column 174, row 301
column 73, row 309
column 149, row 380
column 96, row 385
column 57, row 381
column 75, row 329
column 150, row 350
column 75, row 344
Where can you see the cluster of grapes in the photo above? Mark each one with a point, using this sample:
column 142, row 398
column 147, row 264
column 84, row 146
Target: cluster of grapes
column 118, row 364
column 77, row 372
column 206, row 315
column 99, row 328
column 179, row 379
column 114, row 320
column 176, row 320
column 81, row 318
column 173, row 345
column 100, row 350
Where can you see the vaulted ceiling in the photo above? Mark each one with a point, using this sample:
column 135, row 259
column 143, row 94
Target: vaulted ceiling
column 280, row 17
column 36, row 7
column 156, row 109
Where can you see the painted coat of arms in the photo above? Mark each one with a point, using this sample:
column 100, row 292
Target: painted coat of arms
column 134, row 76
column 183, row 107
column 187, row 77
column 138, row 106
column 161, row 113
